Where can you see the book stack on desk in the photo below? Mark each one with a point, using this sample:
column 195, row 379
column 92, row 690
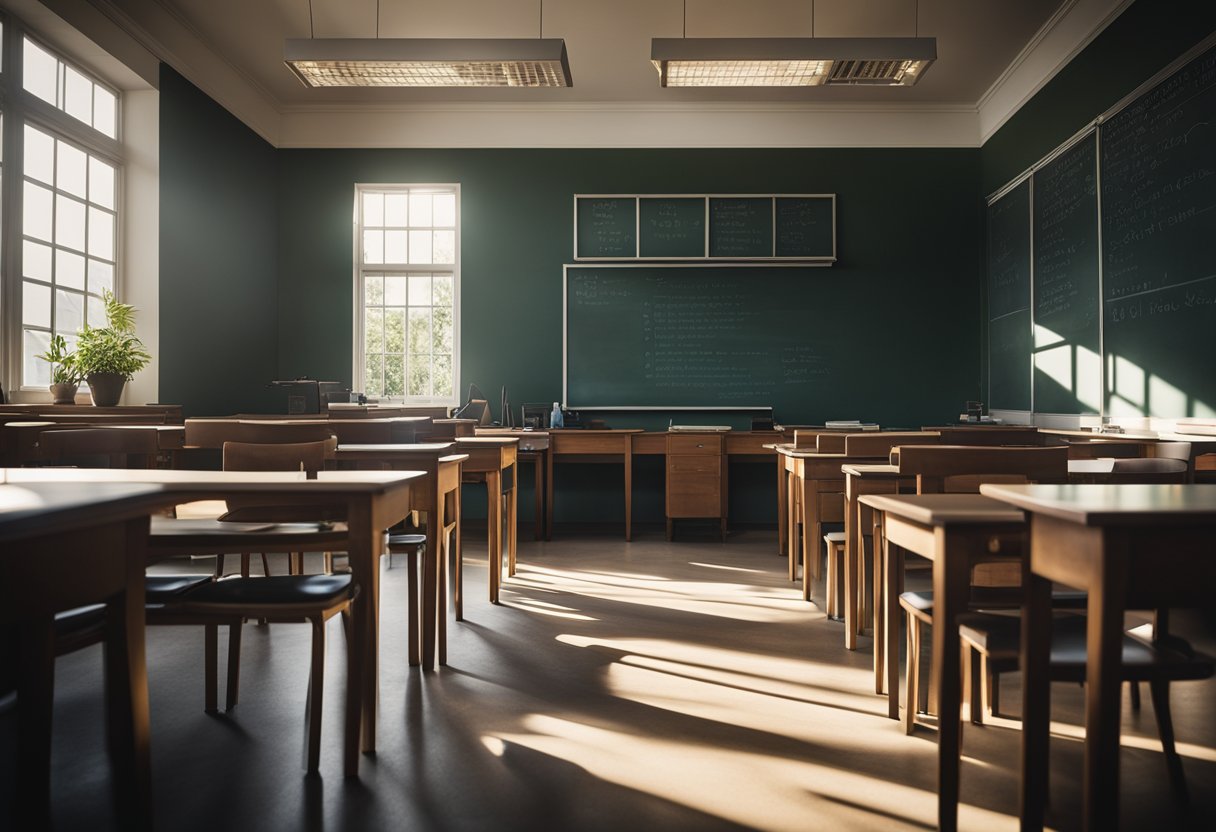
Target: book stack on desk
column 850, row 424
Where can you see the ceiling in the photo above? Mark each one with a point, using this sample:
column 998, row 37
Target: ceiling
column 609, row 41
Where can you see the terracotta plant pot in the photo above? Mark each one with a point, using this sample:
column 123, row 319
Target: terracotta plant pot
column 106, row 388
column 64, row 393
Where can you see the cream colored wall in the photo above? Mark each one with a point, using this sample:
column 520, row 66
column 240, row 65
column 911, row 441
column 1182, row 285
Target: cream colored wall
column 141, row 233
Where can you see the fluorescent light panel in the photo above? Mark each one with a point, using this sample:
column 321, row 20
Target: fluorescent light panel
column 791, row 62
column 429, row 62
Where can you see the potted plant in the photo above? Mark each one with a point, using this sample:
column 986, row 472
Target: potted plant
column 106, row 357
column 65, row 374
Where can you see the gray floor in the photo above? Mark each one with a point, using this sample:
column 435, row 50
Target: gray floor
column 650, row 685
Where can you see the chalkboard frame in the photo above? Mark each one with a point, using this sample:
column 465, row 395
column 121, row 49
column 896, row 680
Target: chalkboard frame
column 1093, row 127
column 627, row 266
column 802, row 260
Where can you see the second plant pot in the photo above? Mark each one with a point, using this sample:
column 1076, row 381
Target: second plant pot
column 106, row 388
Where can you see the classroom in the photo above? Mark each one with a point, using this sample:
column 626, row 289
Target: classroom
column 680, row 414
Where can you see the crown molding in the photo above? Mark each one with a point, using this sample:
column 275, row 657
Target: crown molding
column 1074, row 26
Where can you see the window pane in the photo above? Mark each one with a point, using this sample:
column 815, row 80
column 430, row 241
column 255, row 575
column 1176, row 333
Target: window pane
column 39, row 71
column 445, row 210
column 443, row 290
column 39, row 155
column 441, row 325
column 36, row 305
column 394, row 210
column 373, row 209
column 420, row 290
column 36, row 210
column 36, row 261
column 420, row 331
column 373, row 371
column 373, row 246
column 373, row 290
column 70, row 166
column 394, row 330
column 420, row 247
column 394, row 246
column 373, row 330
column 101, row 183
column 445, row 247
column 69, row 311
column 420, row 375
column 35, row 371
column 78, row 95
column 101, row 234
column 420, row 210
column 441, row 377
column 105, row 111
column 69, row 223
column 97, row 311
column 69, row 269
column 394, row 375
column 394, row 290
column 101, row 276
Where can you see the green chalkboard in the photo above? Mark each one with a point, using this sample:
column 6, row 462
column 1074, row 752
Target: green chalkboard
column 1067, row 340
column 1009, row 351
column 741, row 227
column 698, row 336
column 671, row 227
column 806, row 227
column 1159, row 234
column 606, row 227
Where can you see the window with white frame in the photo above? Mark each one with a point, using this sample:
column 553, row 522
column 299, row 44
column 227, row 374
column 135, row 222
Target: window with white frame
column 64, row 160
column 407, row 272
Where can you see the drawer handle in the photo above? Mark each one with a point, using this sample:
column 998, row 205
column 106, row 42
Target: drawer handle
column 700, row 445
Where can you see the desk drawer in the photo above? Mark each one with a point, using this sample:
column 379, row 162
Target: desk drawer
column 686, row 465
column 699, row 444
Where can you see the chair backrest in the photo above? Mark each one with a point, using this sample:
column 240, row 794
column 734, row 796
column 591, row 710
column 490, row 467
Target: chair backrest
column 115, row 447
column 940, row 468
column 830, row 443
column 992, row 436
column 278, row 456
column 1150, row 469
column 878, row 444
column 213, row 433
column 362, row 432
column 1170, row 450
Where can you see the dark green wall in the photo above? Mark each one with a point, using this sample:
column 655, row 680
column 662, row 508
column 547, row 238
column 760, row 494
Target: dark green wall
column 1135, row 46
column 218, row 255
column 909, row 249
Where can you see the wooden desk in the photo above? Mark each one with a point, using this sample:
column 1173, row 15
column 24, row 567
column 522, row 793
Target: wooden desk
column 19, row 440
column 600, row 446
column 65, row 545
column 1129, row 547
column 815, row 495
column 372, row 500
column 169, row 414
column 955, row 531
column 492, row 460
column 441, row 476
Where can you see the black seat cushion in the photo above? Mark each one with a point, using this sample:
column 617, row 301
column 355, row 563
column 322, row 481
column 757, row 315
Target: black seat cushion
column 995, row 597
column 161, row 588
column 277, row 589
column 406, row 541
column 76, row 622
column 1000, row 636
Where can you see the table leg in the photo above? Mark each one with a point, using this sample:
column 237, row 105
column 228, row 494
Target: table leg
column 364, row 554
column 1103, row 699
column 811, row 537
column 432, row 609
column 1036, row 697
column 878, row 549
column 951, row 588
column 628, row 488
column 852, row 572
column 893, row 560
column 549, row 493
column 782, row 507
column 494, row 522
column 538, row 507
column 36, row 692
column 457, row 555
column 442, row 578
column 512, row 523
column 791, row 532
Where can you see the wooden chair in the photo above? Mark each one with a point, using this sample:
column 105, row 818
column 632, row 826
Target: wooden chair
column 834, row 543
column 116, row 447
column 213, row 433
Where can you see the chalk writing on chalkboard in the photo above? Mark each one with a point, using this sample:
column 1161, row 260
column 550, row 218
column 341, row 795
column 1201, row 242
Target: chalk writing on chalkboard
column 741, row 227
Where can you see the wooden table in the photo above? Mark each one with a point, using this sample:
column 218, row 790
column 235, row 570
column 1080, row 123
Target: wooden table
column 955, row 531
column 534, row 448
column 600, row 446
column 492, row 460
column 19, row 441
column 372, row 501
column 441, row 475
column 1129, row 547
column 65, row 545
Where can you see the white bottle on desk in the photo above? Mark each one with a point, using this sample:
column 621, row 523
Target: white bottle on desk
column 555, row 418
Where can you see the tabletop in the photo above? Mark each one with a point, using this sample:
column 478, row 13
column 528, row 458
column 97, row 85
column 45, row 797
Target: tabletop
column 873, row 470
column 32, row 509
column 227, row 481
column 939, row 509
column 1119, row 504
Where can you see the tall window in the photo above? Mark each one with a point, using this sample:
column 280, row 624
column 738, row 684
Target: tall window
column 408, row 252
column 64, row 159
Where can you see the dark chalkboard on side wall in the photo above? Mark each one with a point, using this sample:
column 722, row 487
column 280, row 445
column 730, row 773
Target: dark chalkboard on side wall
column 1009, row 357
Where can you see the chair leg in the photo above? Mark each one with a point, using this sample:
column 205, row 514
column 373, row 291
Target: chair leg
column 234, row 663
column 219, row 566
column 244, row 564
column 413, row 611
column 35, row 692
column 1133, row 688
column 316, row 690
column 211, row 669
column 978, row 683
column 266, row 564
column 992, row 693
column 1160, row 692
column 912, row 697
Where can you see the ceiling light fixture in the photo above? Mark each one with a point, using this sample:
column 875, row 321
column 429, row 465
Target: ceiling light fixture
column 792, row 62
column 429, row 62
